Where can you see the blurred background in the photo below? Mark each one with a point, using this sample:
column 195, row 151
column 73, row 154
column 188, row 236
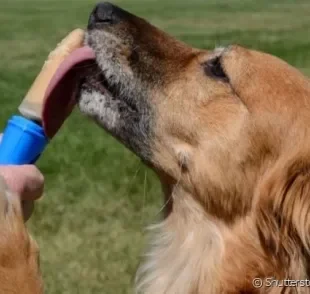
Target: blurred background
column 99, row 197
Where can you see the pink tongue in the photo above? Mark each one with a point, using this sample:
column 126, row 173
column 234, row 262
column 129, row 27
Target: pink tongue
column 59, row 99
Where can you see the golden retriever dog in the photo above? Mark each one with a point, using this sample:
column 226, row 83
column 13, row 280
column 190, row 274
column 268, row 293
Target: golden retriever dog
column 19, row 253
column 228, row 133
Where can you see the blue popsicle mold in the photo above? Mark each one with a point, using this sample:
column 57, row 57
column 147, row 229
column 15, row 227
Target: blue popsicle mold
column 23, row 141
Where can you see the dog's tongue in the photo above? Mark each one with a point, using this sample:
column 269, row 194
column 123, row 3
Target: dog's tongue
column 60, row 95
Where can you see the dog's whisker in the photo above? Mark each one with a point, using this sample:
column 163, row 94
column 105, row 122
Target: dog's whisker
column 132, row 181
column 164, row 206
column 144, row 197
column 171, row 196
column 87, row 65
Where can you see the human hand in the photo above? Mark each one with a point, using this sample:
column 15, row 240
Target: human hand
column 26, row 181
column 19, row 253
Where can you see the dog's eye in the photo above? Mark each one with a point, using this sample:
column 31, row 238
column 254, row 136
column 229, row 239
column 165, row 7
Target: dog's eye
column 214, row 68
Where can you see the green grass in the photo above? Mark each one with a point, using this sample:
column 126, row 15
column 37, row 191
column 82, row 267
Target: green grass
column 99, row 197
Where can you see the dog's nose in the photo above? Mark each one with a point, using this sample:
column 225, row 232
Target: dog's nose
column 106, row 13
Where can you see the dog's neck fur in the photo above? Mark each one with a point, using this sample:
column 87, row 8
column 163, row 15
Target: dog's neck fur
column 171, row 265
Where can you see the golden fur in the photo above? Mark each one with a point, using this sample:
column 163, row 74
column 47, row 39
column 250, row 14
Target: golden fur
column 227, row 132
column 239, row 179
column 19, row 253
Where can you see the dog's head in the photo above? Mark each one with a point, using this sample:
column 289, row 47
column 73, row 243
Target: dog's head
column 216, row 122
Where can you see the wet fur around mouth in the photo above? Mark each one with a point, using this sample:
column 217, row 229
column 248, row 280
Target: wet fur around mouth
column 115, row 102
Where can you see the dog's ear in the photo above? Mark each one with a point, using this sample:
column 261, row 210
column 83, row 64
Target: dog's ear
column 283, row 215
